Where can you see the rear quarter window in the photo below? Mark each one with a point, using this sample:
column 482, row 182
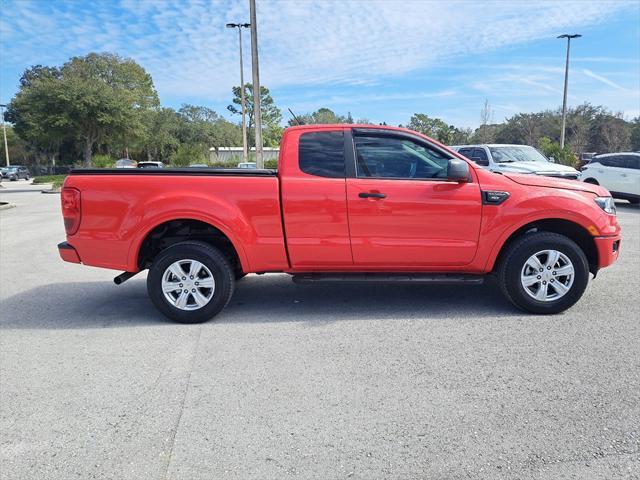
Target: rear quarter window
column 322, row 154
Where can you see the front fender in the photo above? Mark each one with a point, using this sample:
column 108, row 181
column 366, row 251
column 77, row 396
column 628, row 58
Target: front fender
column 572, row 206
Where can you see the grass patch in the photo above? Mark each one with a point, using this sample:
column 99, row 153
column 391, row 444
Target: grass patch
column 56, row 181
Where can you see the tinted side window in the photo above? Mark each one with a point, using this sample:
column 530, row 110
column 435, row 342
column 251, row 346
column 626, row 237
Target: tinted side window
column 397, row 157
column 466, row 152
column 479, row 154
column 614, row 161
column 604, row 161
column 322, row 154
column 632, row 161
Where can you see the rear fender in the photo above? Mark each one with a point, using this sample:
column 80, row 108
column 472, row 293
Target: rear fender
column 227, row 218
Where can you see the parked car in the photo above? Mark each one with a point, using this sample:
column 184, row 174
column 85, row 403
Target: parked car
column 125, row 163
column 617, row 172
column 199, row 165
column 16, row 172
column 247, row 165
column 516, row 159
column 149, row 164
column 347, row 203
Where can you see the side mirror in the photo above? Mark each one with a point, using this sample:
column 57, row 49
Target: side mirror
column 457, row 170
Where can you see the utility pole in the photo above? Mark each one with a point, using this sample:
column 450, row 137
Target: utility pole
column 566, row 81
column 257, row 112
column 4, row 131
column 245, row 151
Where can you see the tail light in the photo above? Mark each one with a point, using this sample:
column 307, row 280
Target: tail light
column 71, row 209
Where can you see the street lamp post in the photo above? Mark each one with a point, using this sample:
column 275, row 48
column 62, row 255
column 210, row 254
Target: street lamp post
column 566, row 81
column 245, row 154
column 4, row 131
column 257, row 111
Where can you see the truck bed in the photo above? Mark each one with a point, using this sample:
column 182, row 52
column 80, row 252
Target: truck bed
column 121, row 206
column 200, row 171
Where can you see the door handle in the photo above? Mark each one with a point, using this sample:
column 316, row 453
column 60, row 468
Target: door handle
column 371, row 195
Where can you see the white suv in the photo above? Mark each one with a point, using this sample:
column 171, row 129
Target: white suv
column 617, row 172
column 515, row 159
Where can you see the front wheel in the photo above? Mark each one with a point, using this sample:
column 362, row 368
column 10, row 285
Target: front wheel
column 543, row 272
column 190, row 282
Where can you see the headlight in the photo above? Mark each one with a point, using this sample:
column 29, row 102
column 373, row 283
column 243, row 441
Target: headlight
column 607, row 204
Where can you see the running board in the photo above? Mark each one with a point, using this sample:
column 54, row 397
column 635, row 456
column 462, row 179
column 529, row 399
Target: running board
column 415, row 278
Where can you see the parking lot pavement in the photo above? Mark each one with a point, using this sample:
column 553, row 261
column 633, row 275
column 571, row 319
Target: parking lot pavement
column 308, row 381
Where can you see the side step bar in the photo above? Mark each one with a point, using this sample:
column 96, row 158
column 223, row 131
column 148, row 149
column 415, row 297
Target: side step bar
column 412, row 278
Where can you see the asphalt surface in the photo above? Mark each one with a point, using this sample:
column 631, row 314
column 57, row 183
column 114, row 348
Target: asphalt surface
column 312, row 382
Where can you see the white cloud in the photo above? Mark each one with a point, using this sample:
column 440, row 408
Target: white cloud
column 602, row 79
column 188, row 51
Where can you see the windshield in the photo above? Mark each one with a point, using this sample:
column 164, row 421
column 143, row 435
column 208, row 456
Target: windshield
column 516, row 153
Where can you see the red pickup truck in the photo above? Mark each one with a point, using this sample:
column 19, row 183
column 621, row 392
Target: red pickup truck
column 347, row 203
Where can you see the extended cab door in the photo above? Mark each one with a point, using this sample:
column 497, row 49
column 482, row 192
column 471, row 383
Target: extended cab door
column 314, row 204
column 403, row 213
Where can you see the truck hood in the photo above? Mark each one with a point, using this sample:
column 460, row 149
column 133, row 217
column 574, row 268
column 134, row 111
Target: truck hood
column 539, row 168
column 551, row 182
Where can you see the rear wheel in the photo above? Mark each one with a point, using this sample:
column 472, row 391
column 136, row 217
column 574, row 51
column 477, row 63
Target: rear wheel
column 190, row 282
column 543, row 272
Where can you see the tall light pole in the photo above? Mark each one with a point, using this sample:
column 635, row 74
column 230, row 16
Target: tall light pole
column 257, row 112
column 245, row 153
column 566, row 81
column 4, row 131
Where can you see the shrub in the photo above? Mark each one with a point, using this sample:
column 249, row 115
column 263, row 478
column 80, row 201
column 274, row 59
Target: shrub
column 103, row 161
column 552, row 149
column 56, row 181
column 186, row 154
column 273, row 163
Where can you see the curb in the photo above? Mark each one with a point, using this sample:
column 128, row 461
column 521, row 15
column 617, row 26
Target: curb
column 49, row 191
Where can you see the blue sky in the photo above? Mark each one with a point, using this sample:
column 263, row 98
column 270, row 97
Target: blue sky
column 380, row 60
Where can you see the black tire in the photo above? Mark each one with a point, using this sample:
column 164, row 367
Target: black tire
column 516, row 255
column 204, row 253
column 592, row 181
column 239, row 275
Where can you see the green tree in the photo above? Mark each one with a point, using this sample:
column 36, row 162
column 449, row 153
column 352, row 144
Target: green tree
column 634, row 137
column 88, row 99
column 203, row 126
column 322, row 116
column 162, row 130
column 435, row 128
column 18, row 149
column 523, row 128
column 271, row 114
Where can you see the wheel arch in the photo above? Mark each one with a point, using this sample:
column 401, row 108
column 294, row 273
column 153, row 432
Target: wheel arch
column 570, row 229
column 169, row 231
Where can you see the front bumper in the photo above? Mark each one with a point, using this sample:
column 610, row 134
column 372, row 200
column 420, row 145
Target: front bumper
column 608, row 250
column 68, row 253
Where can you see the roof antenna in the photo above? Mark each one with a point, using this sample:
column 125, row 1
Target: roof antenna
column 295, row 118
